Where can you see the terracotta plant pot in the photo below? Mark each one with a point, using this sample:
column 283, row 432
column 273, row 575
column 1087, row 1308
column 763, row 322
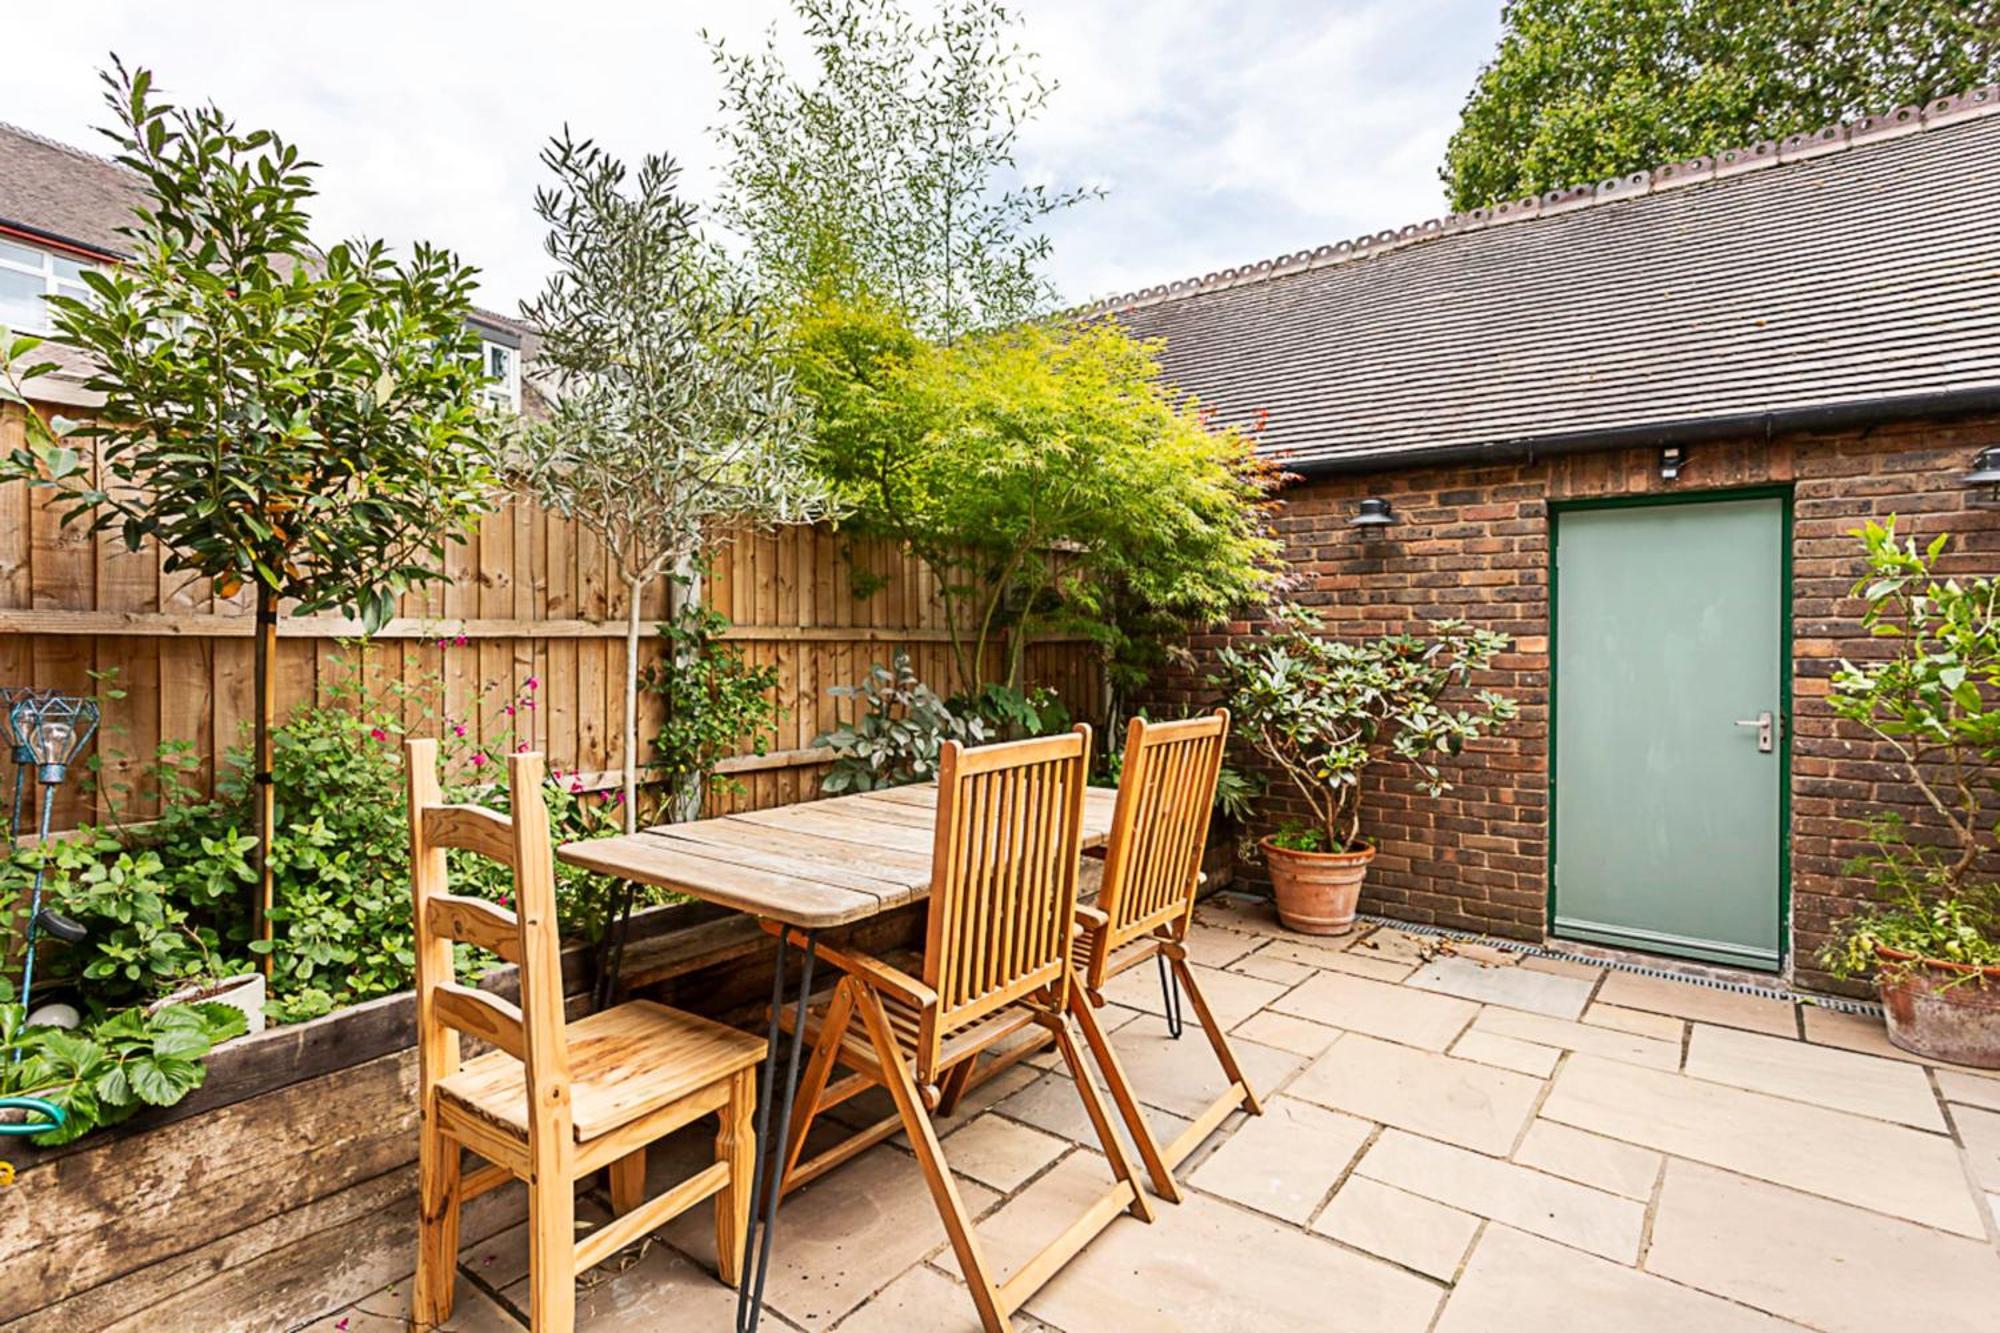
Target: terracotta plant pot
column 1317, row 891
column 1940, row 1010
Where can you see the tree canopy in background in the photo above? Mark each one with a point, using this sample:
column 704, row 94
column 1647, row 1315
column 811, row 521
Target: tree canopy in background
column 886, row 170
column 1584, row 90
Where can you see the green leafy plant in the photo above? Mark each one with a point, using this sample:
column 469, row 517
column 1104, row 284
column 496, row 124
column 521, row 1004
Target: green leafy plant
column 1295, row 837
column 899, row 734
column 1931, row 701
column 101, row 1074
column 715, row 702
column 302, row 421
column 1323, row 710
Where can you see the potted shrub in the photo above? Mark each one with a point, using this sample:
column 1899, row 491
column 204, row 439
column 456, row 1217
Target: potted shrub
column 1931, row 940
column 1322, row 710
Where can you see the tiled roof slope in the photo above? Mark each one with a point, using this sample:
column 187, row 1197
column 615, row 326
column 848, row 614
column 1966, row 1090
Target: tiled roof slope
column 64, row 192
column 1858, row 264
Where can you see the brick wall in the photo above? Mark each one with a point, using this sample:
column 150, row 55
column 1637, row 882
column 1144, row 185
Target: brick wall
column 1474, row 542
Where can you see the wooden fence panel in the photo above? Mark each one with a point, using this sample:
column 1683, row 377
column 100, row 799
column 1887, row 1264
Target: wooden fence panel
column 531, row 597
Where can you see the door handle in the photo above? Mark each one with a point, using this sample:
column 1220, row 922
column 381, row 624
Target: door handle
column 1764, row 730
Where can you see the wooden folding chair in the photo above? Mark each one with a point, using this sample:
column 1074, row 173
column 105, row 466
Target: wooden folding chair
column 557, row 1100
column 1152, row 870
column 996, row 961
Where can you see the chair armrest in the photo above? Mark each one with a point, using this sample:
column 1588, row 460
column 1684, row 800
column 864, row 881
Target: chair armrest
column 1097, row 853
column 1090, row 918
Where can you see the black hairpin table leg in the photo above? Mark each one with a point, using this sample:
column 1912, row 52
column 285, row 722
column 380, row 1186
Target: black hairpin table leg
column 767, row 1188
column 1170, row 997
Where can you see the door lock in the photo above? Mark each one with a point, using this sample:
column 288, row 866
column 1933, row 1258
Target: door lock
column 1764, row 727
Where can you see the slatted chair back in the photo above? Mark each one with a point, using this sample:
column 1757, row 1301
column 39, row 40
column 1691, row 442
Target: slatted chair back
column 532, row 1032
column 1003, row 877
column 1166, row 792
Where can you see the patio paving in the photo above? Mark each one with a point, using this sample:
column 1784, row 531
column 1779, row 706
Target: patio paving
column 1455, row 1139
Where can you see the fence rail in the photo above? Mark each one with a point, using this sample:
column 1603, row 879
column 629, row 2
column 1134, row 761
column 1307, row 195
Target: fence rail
column 530, row 597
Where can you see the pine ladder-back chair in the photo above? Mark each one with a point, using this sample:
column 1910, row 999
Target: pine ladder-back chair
column 555, row 1101
column 996, row 961
column 1152, row 870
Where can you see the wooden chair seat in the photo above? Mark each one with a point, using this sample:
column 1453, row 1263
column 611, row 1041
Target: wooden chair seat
column 625, row 1063
column 1123, row 958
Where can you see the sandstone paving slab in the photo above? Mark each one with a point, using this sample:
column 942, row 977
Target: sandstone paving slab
column 1864, row 1033
column 1358, row 963
column 1403, row 1228
column 662, row 1286
column 1607, row 1043
column 1590, row 1159
column 1183, row 1077
column 1558, row 1210
column 925, row 1298
column 1457, row 1101
column 1051, row 1104
column 1703, row 1004
column 1272, row 969
column 1284, row 1161
column 1016, row 1231
column 1979, row 1130
column 1206, row 1265
column 1823, row 1075
column 1563, row 967
column 1400, row 946
column 841, row 1238
column 1890, row 1168
column 1286, row 1033
column 1001, row 1153
column 1241, row 913
column 1826, row 1264
column 1518, row 1281
column 1213, row 946
column 388, row 1311
column 1395, row 1013
column 1638, row 1022
column 1232, row 997
column 1507, row 1053
column 1969, row 1089
column 1508, row 985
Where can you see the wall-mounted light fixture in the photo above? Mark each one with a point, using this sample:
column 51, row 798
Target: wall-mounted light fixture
column 1671, row 459
column 1374, row 513
column 1984, row 479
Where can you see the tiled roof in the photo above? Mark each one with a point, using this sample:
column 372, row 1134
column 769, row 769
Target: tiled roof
column 1853, row 266
column 62, row 192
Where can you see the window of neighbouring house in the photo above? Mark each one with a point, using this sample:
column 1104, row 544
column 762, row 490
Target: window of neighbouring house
column 27, row 274
column 503, row 374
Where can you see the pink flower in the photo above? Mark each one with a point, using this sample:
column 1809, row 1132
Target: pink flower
column 458, row 728
column 534, row 682
column 444, row 643
column 459, row 641
column 575, row 785
column 479, row 760
column 510, row 710
column 378, row 733
column 522, row 748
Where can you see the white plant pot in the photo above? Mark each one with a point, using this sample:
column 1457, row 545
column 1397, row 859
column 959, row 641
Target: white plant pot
column 244, row 991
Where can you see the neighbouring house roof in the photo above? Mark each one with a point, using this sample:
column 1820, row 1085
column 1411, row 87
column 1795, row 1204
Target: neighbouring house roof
column 79, row 200
column 1850, row 271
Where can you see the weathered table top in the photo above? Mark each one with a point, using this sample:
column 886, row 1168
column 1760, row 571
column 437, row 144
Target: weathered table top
column 814, row 865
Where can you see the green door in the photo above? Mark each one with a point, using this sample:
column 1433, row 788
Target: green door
column 1670, row 680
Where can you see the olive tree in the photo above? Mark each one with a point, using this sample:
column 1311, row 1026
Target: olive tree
column 298, row 420
column 670, row 420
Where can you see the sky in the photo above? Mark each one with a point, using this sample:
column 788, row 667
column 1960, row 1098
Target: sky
column 1221, row 133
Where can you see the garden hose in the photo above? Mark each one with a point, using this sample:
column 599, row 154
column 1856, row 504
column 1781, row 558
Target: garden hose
column 52, row 1115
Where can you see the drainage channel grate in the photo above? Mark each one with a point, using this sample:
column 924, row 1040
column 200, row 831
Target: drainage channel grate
column 1838, row 1004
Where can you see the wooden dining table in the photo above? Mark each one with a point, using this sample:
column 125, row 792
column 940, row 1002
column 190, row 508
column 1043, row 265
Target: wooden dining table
column 810, row 867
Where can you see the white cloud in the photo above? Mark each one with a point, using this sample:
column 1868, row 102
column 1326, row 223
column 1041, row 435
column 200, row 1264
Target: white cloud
column 1224, row 133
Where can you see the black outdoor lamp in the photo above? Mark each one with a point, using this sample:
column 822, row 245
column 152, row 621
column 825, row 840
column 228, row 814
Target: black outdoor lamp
column 1984, row 479
column 53, row 729
column 1373, row 515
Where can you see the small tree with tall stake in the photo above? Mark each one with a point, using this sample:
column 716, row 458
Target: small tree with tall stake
column 671, row 418
column 299, row 420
